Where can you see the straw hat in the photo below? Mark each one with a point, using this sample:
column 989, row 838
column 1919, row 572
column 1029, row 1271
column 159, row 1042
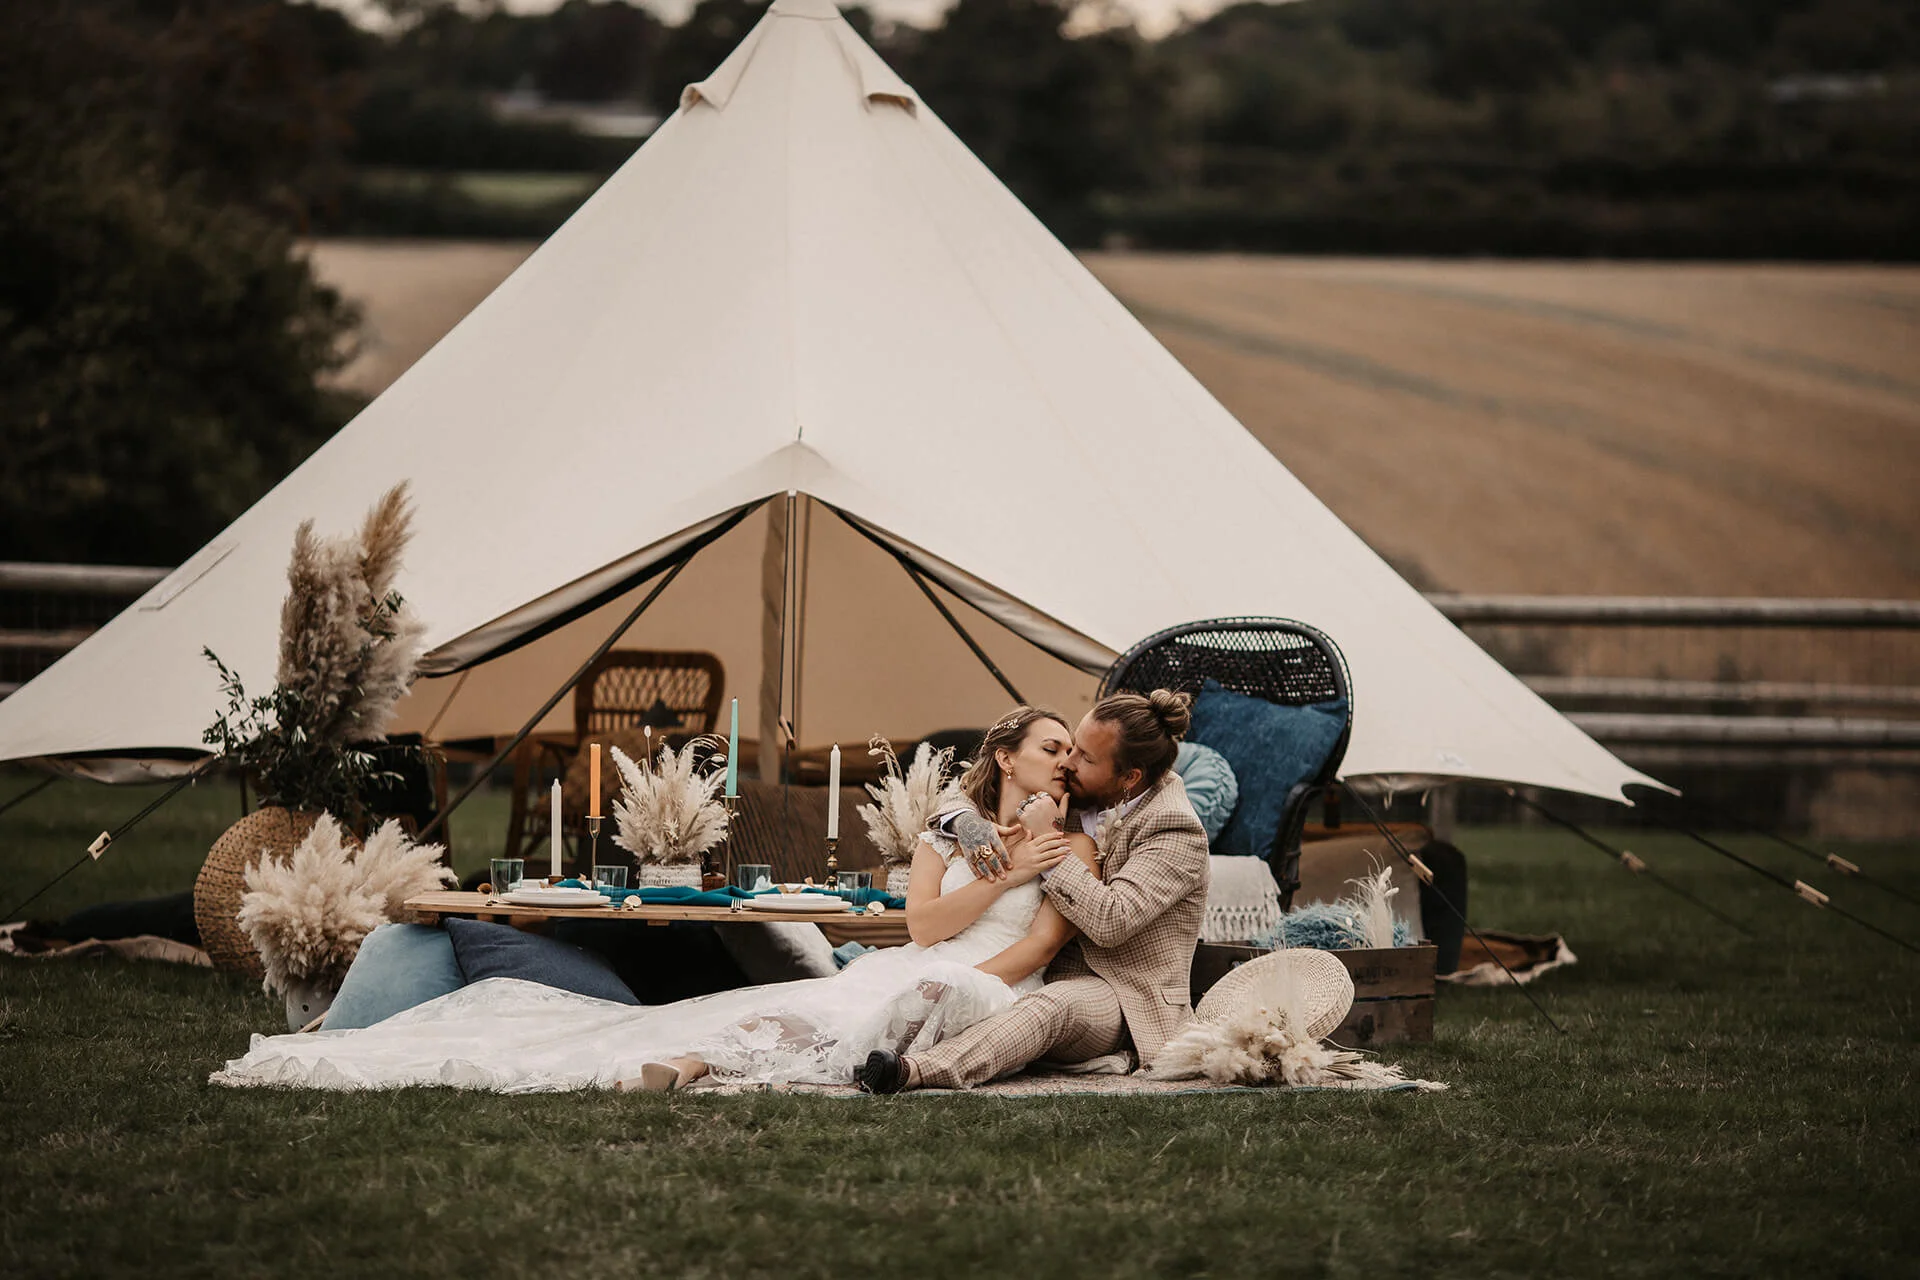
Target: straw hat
column 1321, row 986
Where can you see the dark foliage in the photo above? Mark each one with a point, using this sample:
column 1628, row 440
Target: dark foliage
column 160, row 338
column 273, row 740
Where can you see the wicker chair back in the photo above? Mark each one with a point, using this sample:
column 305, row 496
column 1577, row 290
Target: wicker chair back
column 1285, row 662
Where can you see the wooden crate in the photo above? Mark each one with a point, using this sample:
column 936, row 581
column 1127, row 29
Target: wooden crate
column 1392, row 990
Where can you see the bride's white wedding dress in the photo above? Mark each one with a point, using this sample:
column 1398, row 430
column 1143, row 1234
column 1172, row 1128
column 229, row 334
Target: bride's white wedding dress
column 519, row 1037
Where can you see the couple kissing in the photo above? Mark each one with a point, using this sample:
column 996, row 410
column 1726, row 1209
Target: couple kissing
column 1096, row 828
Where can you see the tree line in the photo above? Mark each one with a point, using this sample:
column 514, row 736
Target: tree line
column 163, row 345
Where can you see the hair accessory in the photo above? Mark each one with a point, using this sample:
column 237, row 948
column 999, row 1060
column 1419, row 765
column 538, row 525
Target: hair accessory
column 1007, row 722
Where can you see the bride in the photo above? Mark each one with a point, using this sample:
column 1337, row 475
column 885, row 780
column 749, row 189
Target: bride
column 978, row 945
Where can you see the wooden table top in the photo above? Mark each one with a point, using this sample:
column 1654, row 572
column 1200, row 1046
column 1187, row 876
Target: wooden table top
column 430, row 907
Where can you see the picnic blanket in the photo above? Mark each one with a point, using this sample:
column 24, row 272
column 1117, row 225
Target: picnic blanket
column 1050, row 1085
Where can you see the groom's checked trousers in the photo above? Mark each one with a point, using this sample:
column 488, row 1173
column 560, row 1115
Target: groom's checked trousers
column 1066, row 1021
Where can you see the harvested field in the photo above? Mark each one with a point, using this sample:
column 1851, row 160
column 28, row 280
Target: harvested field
column 1492, row 426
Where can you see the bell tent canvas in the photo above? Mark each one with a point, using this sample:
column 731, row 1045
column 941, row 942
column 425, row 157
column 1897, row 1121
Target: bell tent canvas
column 804, row 284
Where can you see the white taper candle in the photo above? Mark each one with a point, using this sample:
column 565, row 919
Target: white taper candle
column 833, row 793
column 555, row 824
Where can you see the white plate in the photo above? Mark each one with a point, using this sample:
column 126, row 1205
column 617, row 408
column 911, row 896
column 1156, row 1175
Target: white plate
column 798, row 902
column 556, row 898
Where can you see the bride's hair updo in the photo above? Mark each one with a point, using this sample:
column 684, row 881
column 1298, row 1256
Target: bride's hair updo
column 1150, row 729
column 981, row 782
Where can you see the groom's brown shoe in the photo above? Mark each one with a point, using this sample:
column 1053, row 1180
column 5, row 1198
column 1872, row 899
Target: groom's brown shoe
column 884, row 1071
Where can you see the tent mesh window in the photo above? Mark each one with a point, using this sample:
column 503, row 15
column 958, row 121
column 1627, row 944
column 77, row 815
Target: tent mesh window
column 1284, row 662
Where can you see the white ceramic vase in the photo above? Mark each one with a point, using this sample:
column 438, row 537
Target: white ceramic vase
column 654, row 875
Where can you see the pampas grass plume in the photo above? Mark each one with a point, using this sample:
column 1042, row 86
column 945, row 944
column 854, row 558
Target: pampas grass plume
column 308, row 915
column 904, row 799
column 348, row 644
column 1373, row 904
column 666, row 811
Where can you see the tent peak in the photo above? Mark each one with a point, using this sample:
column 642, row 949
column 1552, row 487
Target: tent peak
column 817, row 9
column 879, row 84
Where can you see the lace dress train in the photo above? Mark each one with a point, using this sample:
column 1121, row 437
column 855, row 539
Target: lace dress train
column 510, row 1036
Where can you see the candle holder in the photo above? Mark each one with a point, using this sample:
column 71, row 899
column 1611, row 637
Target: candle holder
column 593, row 847
column 726, row 865
column 833, row 862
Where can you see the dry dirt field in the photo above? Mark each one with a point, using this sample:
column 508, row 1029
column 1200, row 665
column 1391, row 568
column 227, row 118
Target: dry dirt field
column 1493, row 426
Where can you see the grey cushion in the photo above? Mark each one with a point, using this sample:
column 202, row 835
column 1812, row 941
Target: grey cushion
column 501, row 951
column 779, row 951
column 398, row 967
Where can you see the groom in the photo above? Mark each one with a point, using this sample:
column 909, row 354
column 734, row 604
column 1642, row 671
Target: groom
column 1125, row 980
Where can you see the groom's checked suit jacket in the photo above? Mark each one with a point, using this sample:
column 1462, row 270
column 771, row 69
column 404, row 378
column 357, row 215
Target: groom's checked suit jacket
column 1139, row 920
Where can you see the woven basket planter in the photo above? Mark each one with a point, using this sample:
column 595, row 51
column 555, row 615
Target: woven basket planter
column 222, row 880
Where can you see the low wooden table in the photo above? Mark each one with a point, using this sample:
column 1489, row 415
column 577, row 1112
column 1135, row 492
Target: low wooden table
column 887, row 930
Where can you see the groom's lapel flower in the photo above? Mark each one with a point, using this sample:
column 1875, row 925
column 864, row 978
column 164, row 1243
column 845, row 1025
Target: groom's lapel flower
column 1106, row 830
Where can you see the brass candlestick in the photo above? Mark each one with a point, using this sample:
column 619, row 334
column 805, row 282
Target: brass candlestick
column 732, row 803
column 593, row 847
column 833, row 863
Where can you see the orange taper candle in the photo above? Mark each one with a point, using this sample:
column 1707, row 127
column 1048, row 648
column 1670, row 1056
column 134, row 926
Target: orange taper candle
column 593, row 780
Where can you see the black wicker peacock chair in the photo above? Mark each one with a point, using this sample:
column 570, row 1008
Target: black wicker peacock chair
column 1287, row 663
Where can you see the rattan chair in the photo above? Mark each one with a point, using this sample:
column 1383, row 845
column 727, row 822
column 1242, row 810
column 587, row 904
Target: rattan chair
column 1286, row 663
column 674, row 692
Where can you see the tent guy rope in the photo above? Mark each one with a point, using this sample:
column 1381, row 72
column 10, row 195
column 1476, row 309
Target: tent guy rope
column 1630, row 861
column 1798, row 888
column 105, row 840
column 1426, row 876
column 1832, row 861
column 29, row 793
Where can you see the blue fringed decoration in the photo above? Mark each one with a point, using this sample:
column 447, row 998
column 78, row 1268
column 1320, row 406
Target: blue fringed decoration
column 1326, row 926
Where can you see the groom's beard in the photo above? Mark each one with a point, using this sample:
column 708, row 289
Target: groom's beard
column 1087, row 799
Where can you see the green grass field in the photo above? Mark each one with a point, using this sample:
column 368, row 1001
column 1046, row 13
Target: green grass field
column 1719, row 1105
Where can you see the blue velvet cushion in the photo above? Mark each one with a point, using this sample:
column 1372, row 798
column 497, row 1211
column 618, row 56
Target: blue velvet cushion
column 398, row 967
column 501, row 951
column 1271, row 749
column 1211, row 786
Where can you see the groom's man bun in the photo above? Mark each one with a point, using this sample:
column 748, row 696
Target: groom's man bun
column 1150, row 726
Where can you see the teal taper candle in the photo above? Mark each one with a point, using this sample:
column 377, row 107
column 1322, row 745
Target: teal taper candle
column 733, row 752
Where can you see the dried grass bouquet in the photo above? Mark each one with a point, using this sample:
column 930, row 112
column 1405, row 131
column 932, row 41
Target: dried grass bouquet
column 668, row 811
column 903, row 800
column 306, row 916
column 349, row 649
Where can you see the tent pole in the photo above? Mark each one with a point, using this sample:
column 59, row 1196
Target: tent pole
column 773, row 650
column 803, row 558
column 473, row 784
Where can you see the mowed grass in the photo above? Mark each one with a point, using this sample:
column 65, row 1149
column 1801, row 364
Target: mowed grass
column 1718, row 1105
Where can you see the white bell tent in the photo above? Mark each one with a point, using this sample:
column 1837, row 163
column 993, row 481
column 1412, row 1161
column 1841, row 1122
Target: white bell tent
column 804, row 283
